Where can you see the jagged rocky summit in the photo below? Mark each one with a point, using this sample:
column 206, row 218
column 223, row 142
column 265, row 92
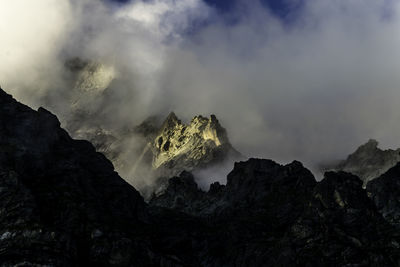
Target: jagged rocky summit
column 368, row 161
column 62, row 204
column 202, row 142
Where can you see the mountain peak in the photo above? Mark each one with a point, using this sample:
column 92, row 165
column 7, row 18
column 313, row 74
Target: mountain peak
column 172, row 116
column 369, row 161
column 371, row 144
column 171, row 121
column 179, row 146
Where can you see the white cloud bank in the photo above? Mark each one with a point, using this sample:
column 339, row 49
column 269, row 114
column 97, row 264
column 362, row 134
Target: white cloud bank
column 310, row 90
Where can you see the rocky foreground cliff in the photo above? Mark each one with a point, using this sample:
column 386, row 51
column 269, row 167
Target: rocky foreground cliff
column 62, row 204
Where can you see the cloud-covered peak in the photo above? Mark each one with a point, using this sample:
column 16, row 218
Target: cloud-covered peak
column 307, row 90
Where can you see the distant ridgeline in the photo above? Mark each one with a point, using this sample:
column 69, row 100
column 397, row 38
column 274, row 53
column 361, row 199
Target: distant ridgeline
column 368, row 161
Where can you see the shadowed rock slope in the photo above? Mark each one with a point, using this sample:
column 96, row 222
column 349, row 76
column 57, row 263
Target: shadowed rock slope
column 274, row 215
column 385, row 192
column 62, row 204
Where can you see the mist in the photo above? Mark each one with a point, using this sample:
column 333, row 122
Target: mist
column 311, row 88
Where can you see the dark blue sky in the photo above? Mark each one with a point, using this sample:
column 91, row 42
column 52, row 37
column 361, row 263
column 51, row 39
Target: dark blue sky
column 281, row 8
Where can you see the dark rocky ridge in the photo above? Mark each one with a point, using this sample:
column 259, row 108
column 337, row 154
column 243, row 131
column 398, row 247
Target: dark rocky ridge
column 287, row 218
column 62, row 204
column 242, row 192
column 385, row 192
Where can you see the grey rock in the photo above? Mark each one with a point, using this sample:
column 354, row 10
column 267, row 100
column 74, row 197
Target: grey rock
column 368, row 161
column 385, row 192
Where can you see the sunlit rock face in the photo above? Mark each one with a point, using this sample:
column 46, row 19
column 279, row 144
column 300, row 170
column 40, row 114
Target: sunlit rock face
column 172, row 146
column 90, row 75
column 369, row 161
column 179, row 146
column 89, row 81
column 95, row 77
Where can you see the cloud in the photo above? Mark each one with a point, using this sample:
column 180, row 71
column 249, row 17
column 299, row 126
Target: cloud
column 30, row 32
column 312, row 89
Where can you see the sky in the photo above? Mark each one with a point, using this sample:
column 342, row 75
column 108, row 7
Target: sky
column 279, row 7
column 305, row 80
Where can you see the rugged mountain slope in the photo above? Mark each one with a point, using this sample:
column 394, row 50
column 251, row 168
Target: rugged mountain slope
column 274, row 215
column 385, row 192
column 62, row 204
column 249, row 184
column 368, row 161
